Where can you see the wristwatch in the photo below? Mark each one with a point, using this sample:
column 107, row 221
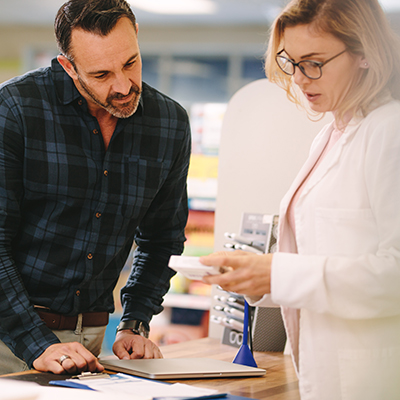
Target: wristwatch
column 136, row 326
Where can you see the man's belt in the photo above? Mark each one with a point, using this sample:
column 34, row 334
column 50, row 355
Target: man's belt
column 62, row 322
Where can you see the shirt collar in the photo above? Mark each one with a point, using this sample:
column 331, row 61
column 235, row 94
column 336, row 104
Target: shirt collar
column 65, row 87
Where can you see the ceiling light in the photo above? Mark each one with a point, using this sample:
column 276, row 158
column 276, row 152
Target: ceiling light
column 175, row 6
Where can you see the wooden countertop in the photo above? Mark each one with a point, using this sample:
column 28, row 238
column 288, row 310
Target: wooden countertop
column 279, row 382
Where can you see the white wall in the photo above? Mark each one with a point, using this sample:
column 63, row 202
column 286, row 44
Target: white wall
column 265, row 140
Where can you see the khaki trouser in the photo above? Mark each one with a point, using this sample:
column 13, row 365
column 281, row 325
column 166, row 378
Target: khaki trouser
column 90, row 337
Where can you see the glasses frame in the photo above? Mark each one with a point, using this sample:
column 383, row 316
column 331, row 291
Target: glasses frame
column 319, row 64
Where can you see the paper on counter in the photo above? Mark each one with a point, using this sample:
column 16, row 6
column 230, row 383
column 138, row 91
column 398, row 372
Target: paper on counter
column 143, row 389
column 11, row 389
column 14, row 390
column 121, row 385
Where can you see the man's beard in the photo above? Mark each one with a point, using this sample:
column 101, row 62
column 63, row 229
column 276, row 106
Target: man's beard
column 124, row 110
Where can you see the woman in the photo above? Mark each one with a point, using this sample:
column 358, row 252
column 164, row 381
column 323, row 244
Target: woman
column 337, row 270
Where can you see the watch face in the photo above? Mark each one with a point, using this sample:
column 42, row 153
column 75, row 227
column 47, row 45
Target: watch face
column 143, row 331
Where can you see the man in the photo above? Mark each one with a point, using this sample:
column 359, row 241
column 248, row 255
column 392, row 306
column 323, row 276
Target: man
column 91, row 159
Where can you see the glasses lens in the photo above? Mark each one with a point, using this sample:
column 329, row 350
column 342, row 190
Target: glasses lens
column 285, row 65
column 310, row 69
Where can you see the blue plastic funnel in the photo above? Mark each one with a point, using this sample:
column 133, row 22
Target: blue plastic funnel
column 244, row 356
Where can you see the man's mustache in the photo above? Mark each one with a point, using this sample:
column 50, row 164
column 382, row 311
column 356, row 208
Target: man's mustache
column 118, row 96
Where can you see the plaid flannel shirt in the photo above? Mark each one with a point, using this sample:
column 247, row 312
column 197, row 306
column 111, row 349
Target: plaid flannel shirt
column 70, row 210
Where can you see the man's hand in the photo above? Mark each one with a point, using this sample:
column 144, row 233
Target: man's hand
column 79, row 359
column 128, row 345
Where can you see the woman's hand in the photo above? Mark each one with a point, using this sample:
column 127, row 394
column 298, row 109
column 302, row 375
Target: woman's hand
column 247, row 273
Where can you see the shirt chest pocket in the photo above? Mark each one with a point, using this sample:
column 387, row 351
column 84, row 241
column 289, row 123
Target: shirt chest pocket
column 345, row 231
column 142, row 180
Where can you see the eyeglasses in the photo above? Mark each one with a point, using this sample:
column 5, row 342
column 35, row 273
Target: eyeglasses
column 311, row 69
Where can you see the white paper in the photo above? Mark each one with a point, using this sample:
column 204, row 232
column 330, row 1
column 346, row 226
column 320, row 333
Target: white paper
column 120, row 386
column 18, row 390
column 142, row 389
column 13, row 390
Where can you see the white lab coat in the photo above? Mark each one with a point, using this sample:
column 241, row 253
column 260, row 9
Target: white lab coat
column 340, row 295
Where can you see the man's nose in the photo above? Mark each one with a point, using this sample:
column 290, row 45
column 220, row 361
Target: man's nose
column 122, row 84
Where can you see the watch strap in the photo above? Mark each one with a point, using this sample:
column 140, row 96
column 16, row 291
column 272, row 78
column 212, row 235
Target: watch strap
column 136, row 326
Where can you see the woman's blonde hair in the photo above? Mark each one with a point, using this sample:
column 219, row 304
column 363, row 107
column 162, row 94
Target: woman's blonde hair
column 364, row 29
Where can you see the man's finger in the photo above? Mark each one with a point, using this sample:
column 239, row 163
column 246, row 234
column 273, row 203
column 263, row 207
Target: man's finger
column 152, row 351
column 120, row 351
column 86, row 361
column 69, row 366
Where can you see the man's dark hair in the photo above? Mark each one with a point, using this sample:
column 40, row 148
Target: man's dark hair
column 95, row 16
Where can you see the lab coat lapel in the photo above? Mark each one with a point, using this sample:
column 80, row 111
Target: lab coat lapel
column 288, row 242
column 316, row 151
column 331, row 158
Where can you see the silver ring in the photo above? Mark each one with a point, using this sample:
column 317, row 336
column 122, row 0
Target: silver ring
column 63, row 358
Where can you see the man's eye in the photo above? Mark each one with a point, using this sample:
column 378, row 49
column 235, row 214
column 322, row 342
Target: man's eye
column 101, row 76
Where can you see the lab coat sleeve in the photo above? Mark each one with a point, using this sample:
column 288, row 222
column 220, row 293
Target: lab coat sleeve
column 362, row 286
column 261, row 301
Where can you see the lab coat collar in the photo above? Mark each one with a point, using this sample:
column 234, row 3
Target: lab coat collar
column 330, row 160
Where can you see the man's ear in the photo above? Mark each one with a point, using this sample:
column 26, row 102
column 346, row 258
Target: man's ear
column 67, row 65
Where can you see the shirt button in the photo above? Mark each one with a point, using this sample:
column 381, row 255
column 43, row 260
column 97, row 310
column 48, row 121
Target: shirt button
column 89, row 256
column 98, row 215
column 78, row 292
column 105, row 172
column 95, row 131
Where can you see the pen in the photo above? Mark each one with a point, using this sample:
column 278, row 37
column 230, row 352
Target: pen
column 229, row 246
column 222, row 299
column 250, row 249
column 245, row 241
column 233, row 323
column 239, row 239
column 216, row 319
column 233, row 311
column 236, row 302
column 204, row 397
